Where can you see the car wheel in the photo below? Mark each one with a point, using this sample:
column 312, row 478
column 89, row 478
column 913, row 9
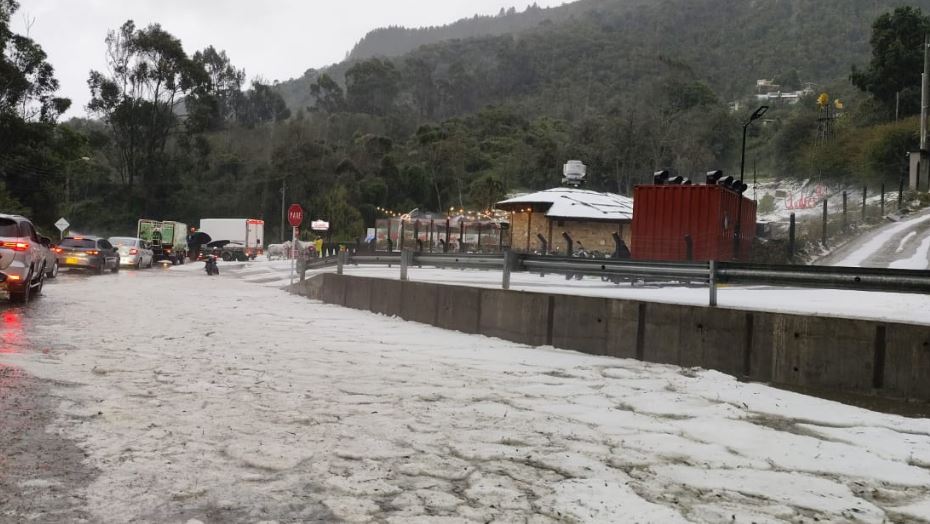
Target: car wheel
column 53, row 273
column 227, row 257
column 99, row 269
column 21, row 297
column 40, row 285
column 115, row 267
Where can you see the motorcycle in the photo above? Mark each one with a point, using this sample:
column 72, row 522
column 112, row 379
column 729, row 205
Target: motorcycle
column 210, row 265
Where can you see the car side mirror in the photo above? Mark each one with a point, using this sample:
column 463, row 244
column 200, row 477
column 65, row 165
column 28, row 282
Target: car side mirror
column 45, row 241
column 116, row 250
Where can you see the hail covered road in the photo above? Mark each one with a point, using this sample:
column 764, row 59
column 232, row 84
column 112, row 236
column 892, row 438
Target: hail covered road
column 168, row 396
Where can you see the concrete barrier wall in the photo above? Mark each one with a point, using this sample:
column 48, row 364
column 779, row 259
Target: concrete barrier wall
column 835, row 354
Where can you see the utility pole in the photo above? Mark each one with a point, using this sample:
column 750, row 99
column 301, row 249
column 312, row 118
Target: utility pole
column 283, row 192
column 920, row 166
column 925, row 95
column 897, row 105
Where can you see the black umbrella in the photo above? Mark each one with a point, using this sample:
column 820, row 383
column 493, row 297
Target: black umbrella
column 199, row 239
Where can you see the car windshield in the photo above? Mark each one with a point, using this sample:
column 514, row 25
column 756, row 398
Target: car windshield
column 8, row 228
column 124, row 241
column 78, row 242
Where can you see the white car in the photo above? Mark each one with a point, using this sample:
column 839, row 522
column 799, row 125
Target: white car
column 22, row 258
column 133, row 252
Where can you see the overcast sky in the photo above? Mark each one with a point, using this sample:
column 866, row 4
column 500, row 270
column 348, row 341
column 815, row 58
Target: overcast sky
column 277, row 39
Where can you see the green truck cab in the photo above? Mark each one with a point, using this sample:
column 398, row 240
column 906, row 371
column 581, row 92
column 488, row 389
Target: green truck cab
column 168, row 239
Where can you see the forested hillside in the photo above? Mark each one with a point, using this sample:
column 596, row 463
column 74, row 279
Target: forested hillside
column 729, row 44
column 628, row 86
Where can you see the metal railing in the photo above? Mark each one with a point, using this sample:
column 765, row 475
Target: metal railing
column 711, row 273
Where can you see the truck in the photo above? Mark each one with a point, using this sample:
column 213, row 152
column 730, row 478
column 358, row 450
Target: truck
column 244, row 236
column 167, row 238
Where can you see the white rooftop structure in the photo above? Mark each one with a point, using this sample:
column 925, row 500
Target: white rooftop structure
column 578, row 204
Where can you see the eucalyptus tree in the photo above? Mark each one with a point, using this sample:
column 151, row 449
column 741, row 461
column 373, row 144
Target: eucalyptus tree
column 148, row 75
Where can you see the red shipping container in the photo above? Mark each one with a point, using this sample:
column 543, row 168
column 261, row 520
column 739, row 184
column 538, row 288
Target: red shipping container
column 663, row 216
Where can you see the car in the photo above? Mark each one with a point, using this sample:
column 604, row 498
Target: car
column 133, row 252
column 22, row 258
column 51, row 259
column 94, row 253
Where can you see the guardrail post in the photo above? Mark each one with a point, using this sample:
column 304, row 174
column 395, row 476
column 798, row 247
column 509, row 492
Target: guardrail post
column 713, row 283
column 340, row 262
column 509, row 262
column 824, row 222
column 791, row 233
column 404, row 264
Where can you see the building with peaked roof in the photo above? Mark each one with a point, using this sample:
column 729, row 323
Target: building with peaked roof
column 544, row 221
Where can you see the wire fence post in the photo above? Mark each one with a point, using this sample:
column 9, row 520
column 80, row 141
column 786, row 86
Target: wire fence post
column 901, row 194
column 713, row 283
column 791, row 235
column 825, row 222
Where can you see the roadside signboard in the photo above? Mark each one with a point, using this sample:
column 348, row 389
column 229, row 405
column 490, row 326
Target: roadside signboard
column 62, row 225
column 295, row 215
column 319, row 225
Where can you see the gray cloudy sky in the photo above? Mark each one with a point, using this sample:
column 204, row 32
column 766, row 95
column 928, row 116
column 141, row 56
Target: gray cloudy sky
column 277, row 39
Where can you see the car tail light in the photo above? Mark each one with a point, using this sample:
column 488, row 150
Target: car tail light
column 13, row 277
column 93, row 252
column 58, row 250
column 16, row 246
column 133, row 251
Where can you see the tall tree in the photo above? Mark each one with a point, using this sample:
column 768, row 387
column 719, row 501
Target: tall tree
column 328, row 94
column 27, row 80
column 149, row 73
column 372, row 86
column 217, row 99
column 33, row 153
column 897, row 59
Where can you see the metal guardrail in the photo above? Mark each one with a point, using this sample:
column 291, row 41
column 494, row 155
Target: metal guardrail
column 852, row 278
column 608, row 267
column 709, row 273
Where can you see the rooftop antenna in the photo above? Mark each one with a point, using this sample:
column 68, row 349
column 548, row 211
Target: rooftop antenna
column 574, row 172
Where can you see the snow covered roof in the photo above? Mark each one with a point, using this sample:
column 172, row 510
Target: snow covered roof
column 567, row 202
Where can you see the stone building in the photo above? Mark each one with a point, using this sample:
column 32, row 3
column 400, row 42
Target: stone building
column 589, row 218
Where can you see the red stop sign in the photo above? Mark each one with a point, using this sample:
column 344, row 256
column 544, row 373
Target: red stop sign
column 295, row 215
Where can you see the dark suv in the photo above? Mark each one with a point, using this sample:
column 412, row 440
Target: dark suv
column 22, row 258
column 96, row 254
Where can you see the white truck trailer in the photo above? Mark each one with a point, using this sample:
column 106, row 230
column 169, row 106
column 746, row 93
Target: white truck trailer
column 249, row 233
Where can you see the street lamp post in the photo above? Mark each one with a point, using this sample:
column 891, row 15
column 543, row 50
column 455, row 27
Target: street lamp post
column 737, row 232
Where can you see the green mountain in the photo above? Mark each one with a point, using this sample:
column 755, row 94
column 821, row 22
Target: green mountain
column 591, row 51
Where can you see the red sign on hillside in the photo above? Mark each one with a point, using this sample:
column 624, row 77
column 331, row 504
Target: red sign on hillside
column 295, row 215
